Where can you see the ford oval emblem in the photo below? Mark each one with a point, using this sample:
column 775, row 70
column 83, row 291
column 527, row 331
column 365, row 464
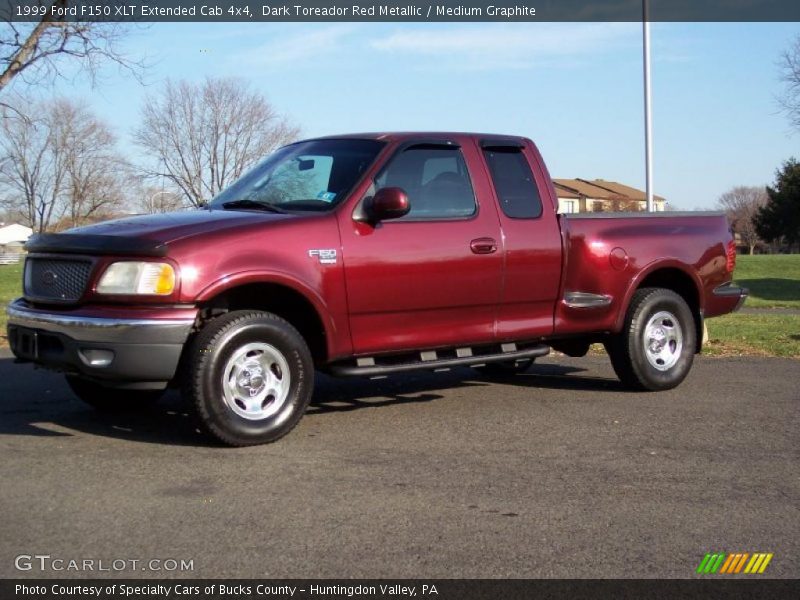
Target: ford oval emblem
column 49, row 278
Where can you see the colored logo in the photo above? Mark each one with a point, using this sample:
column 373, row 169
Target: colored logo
column 734, row 562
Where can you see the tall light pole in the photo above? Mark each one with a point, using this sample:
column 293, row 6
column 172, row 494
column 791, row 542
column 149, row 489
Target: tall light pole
column 648, row 117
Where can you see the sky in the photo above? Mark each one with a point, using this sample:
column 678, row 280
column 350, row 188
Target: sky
column 576, row 89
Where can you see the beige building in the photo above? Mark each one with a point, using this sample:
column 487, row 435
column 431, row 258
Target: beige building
column 599, row 195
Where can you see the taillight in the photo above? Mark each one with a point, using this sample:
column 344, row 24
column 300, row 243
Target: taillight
column 730, row 263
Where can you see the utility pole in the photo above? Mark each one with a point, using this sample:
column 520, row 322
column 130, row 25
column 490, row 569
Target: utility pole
column 648, row 117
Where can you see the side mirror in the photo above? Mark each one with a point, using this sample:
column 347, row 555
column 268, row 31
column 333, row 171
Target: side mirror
column 389, row 203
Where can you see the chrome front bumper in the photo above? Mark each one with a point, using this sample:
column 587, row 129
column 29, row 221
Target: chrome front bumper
column 102, row 329
column 102, row 347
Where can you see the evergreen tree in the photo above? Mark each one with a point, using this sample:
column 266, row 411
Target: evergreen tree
column 780, row 217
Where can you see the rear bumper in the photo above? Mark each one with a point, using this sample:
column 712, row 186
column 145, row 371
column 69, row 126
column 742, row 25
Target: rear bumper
column 731, row 293
column 139, row 349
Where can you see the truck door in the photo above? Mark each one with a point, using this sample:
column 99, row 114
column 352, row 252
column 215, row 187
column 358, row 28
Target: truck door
column 433, row 277
column 532, row 240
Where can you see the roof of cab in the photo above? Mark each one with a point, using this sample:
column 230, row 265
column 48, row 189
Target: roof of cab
column 393, row 136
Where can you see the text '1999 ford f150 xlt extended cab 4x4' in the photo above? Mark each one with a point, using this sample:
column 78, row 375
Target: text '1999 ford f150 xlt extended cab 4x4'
column 365, row 255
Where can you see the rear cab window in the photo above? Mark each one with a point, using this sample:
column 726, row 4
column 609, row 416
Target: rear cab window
column 514, row 184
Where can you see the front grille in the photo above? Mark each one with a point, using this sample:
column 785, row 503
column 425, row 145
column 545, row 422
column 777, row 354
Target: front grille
column 55, row 279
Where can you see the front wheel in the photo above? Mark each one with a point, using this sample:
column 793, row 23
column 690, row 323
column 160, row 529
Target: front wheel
column 655, row 349
column 250, row 377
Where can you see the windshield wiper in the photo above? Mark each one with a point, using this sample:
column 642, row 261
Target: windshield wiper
column 245, row 203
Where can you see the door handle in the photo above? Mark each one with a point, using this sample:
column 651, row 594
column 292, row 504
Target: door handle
column 484, row 245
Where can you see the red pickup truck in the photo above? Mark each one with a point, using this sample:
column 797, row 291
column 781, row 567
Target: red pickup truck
column 364, row 255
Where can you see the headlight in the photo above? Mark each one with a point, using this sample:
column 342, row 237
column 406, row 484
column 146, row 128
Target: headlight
column 129, row 277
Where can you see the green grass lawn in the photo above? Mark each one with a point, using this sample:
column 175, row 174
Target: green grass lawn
column 10, row 288
column 755, row 335
column 773, row 280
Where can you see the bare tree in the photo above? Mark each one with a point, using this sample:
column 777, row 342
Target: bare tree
column 94, row 168
column 59, row 161
column 619, row 203
column 31, row 172
column 789, row 100
column 204, row 136
column 36, row 51
column 741, row 205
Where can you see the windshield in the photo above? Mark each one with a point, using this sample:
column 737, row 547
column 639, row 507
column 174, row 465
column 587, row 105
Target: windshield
column 314, row 175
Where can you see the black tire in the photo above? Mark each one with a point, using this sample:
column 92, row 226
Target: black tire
column 639, row 363
column 506, row 368
column 109, row 399
column 227, row 391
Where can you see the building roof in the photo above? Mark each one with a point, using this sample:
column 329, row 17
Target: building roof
column 621, row 189
column 565, row 192
column 598, row 189
column 580, row 188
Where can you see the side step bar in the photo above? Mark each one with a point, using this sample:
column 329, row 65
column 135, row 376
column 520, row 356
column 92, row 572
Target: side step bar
column 425, row 363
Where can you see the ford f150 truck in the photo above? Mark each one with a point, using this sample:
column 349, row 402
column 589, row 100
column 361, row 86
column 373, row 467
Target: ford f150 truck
column 364, row 255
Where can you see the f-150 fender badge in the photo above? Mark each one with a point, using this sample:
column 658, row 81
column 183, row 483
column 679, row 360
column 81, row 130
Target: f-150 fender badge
column 326, row 256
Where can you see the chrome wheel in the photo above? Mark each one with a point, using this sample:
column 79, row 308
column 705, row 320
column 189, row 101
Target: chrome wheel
column 256, row 381
column 663, row 340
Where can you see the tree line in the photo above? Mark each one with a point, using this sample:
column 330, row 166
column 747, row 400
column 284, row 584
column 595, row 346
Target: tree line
column 766, row 218
column 60, row 165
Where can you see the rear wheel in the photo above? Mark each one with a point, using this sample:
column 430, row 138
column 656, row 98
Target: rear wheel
column 250, row 377
column 655, row 349
column 108, row 399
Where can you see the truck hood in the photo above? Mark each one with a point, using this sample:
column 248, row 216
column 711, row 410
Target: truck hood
column 149, row 234
column 168, row 227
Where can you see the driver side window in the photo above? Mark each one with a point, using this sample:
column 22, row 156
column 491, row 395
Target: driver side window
column 436, row 180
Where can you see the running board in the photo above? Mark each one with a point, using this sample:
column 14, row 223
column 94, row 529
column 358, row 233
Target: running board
column 428, row 360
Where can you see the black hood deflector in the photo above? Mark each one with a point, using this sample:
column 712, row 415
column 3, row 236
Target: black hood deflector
column 81, row 243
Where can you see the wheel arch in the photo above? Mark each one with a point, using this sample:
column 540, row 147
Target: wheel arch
column 671, row 275
column 278, row 294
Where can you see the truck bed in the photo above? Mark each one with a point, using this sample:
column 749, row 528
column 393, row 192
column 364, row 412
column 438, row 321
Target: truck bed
column 611, row 254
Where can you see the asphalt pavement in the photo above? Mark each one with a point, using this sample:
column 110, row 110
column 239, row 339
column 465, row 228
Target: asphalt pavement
column 556, row 473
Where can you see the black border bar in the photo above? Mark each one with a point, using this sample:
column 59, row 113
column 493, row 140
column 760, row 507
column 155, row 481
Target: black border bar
column 147, row 11
column 712, row 587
